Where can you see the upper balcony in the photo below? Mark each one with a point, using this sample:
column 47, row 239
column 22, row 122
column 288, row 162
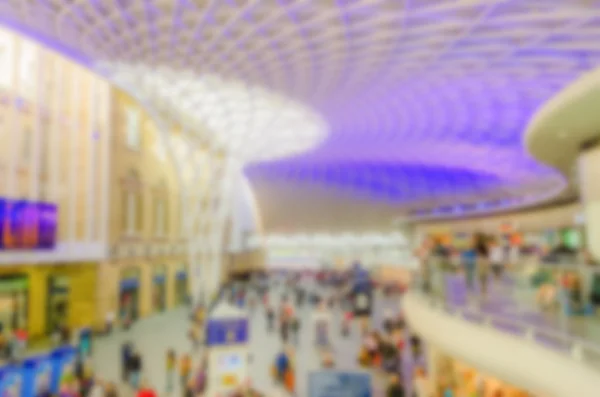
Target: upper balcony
column 534, row 327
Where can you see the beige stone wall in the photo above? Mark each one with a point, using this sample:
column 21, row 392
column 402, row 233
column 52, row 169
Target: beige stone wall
column 246, row 261
column 155, row 174
column 59, row 109
column 157, row 179
column 111, row 274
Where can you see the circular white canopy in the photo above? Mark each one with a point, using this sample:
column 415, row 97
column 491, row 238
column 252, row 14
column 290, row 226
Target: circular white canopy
column 424, row 101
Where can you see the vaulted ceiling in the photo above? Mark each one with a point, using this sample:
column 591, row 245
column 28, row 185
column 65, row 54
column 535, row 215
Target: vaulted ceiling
column 396, row 105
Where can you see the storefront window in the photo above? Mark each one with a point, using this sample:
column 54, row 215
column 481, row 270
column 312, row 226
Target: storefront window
column 58, row 302
column 13, row 302
column 464, row 380
column 159, row 290
column 7, row 51
column 181, row 285
column 129, row 295
column 133, row 138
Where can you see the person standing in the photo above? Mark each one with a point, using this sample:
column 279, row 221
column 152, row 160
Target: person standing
column 126, row 353
column 395, row 388
column 421, row 384
column 295, row 327
column 111, row 390
column 185, row 369
column 270, row 318
column 135, row 369
column 322, row 324
column 483, row 265
column 497, row 258
column 171, row 363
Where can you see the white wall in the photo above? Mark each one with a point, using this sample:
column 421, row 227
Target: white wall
column 516, row 360
column 310, row 250
column 245, row 217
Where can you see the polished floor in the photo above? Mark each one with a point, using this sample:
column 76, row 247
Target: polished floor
column 155, row 335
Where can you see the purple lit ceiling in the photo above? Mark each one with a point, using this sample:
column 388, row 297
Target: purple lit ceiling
column 425, row 101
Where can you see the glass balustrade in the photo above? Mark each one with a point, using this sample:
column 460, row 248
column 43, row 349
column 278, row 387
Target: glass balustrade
column 557, row 306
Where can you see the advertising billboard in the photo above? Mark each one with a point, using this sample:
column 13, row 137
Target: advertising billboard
column 338, row 383
column 26, row 225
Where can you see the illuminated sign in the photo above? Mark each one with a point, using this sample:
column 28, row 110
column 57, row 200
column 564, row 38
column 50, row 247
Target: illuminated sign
column 226, row 332
column 27, row 225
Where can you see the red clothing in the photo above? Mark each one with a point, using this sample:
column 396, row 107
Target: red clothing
column 146, row 393
column 348, row 316
column 400, row 344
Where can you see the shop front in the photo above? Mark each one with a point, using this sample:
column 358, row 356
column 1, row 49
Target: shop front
column 14, row 295
column 181, row 285
column 159, row 288
column 57, row 302
column 458, row 379
column 129, row 295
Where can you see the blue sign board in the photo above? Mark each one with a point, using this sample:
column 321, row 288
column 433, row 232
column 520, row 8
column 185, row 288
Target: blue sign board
column 329, row 383
column 37, row 375
column 61, row 358
column 27, row 225
column 129, row 284
column 11, row 382
column 223, row 332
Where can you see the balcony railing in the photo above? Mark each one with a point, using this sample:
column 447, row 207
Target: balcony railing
column 549, row 305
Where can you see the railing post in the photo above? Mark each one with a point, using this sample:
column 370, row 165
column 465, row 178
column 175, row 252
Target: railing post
column 577, row 351
column 530, row 333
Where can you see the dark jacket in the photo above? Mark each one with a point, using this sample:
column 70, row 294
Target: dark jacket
column 135, row 363
column 396, row 390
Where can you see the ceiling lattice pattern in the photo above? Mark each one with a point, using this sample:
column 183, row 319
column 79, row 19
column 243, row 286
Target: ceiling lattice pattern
column 423, row 101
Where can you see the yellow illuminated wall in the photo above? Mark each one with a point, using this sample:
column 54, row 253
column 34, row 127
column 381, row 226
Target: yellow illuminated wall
column 82, row 293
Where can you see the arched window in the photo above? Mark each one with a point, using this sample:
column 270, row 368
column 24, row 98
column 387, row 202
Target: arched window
column 132, row 206
column 133, row 137
column 161, row 210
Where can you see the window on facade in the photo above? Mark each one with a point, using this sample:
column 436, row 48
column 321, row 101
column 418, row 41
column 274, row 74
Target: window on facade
column 7, row 50
column 139, row 218
column 160, row 217
column 132, row 125
column 132, row 215
column 28, row 68
column 26, row 144
column 130, row 212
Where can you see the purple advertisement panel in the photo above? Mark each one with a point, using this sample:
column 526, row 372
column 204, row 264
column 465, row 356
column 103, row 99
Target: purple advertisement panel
column 27, row 225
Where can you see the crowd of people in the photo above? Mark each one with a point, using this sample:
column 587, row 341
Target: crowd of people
column 557, row 275
column 187, row 371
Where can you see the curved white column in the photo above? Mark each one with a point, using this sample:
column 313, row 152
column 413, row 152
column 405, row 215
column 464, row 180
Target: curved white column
column 245, row 219
column 515, row 360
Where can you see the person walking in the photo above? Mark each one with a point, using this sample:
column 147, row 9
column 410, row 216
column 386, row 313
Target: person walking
column 111, row 390
column 270, row 319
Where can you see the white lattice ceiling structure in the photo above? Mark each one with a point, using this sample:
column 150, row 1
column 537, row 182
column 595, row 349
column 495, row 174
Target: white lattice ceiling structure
column 418, row 103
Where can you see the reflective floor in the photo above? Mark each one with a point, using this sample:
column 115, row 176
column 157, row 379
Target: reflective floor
column 155, row 335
